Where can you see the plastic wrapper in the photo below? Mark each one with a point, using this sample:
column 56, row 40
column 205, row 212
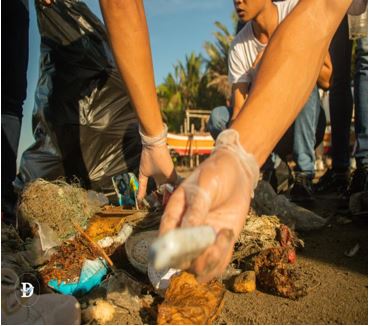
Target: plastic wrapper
column 92, row 273
column 83, row 123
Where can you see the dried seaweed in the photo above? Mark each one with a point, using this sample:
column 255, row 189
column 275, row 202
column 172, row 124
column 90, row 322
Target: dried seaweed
column 66, row 264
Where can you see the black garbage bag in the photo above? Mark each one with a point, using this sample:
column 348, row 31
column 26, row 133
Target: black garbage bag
column 83, row 122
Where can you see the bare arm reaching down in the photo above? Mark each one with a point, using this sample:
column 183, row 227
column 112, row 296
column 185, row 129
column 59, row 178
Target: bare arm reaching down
column 218, row 192
column 292, row 59
column 128, row 33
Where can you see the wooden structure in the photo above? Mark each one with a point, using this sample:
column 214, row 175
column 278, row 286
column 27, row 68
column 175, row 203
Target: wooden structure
column 203, row 115
column 190, row 142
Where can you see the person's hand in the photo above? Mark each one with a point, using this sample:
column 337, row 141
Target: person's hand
column 217, row 194
column 155, row 162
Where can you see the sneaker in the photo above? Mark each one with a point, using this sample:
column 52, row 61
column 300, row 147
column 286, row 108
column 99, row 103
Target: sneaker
column 302, row 189
column 359, row 180
column 332, row 181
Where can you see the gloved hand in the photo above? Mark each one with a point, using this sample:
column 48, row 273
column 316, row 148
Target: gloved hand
column 217, row 194
column 155, row 162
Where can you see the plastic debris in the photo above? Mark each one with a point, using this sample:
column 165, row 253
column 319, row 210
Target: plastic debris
column 180, row 246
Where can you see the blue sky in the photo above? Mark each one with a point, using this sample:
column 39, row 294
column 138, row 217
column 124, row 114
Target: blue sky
column 177, row 28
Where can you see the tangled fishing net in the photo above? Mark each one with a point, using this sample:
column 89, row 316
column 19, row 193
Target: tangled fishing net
column 56, row 204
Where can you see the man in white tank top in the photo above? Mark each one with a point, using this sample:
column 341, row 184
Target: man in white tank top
column 263, row 17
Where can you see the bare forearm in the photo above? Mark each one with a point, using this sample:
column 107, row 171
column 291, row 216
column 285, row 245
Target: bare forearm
column 287, row 73
column 128, row 33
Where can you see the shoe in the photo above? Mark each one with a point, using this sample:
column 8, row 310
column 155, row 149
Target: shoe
column 359, row 180
column 332, row 182
column 302, row 190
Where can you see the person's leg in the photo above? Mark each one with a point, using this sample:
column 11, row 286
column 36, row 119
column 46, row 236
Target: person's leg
column 303, row 146
column 304, row 135
column 340, row 108
column 15, row 36
column 219, row 120
column 359, row 181
column 340, row 97
column 361, row 102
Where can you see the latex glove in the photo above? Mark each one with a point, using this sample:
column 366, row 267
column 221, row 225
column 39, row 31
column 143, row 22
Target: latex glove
column 218, row 194
column 155, row 162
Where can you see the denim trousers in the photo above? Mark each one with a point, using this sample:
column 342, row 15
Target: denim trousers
column 341, row 101
column 302, row 132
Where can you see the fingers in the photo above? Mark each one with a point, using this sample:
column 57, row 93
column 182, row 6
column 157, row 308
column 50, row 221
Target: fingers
column 173, row 212
column 142, row 186
column 215, row 259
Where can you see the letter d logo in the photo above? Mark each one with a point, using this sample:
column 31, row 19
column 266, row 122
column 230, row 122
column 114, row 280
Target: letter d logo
column 27, row 289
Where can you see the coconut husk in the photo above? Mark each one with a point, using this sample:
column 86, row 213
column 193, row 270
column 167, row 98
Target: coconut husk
column 56, row 204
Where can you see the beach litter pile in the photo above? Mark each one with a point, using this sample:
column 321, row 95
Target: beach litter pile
column 105, row 256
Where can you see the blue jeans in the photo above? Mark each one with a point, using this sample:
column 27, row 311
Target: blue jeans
column 361, row 102
column 303, row 133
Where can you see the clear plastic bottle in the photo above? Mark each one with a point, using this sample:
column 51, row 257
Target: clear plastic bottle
column 358, row 25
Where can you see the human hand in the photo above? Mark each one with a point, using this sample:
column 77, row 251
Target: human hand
column 217, row 194
column 155, row 162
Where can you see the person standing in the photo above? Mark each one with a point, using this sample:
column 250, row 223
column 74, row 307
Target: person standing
column 15, row 36
column 341, row 106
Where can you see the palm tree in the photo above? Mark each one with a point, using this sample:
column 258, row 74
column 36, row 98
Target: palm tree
column 182, row 90
column 168, row 93
column 217, row 63
column 189, row 76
